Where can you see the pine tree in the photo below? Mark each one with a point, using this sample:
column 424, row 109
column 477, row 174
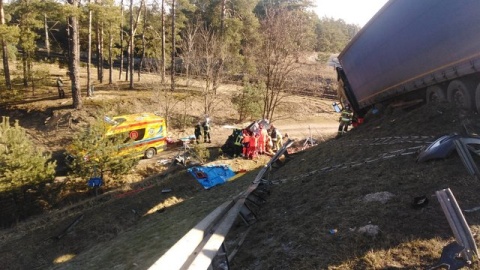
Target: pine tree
column 22, row 165
column 93, row 154
column 248, row 102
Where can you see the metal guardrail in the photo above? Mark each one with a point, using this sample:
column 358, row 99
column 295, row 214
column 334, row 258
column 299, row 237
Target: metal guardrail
column 198, row 248
column 465, row 244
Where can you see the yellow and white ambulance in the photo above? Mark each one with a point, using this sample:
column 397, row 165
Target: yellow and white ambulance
column 144, row 134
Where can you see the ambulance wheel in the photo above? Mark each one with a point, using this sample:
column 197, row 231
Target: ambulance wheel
column 150, row 152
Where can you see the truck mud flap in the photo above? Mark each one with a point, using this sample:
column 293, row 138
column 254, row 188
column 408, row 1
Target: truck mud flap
column 466, row 247
column 463, row 146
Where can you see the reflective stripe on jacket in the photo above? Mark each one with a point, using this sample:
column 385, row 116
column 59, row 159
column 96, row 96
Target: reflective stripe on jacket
column 238, row 140
column 347, row 116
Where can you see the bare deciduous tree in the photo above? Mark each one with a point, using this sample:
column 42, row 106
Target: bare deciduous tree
column 172, row 72
column 133, row 30
column 207, row 63
column 188, row 42
column 163, row 42
column 285, row 36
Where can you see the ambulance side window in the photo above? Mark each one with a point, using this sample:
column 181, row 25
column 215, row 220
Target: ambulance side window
column 129, row 136
column 136, row 135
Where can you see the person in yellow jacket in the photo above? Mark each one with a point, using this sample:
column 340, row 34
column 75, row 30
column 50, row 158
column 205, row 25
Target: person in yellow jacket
column 345, row 120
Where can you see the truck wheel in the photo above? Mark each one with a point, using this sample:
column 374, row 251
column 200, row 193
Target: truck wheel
column 149, row 153
column 436, row 94
column 458, row 93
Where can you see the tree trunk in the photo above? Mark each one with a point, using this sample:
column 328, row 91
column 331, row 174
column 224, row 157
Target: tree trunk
column 110, row 57
column 133, row 29
column 127, row 68
column 222, row 22
column 173, row 48
column 99, row 30
column 47, row 40
column 24, row 67
column 74, row 60
column 143, row 42
column 30, row 72
column 121, row 41
column 163, row 42
column 130, row 49
column 89, row 52
column 6, row 67
column 98, row 59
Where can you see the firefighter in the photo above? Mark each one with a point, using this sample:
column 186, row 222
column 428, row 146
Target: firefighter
column 198, row 132
column 345, row 120
column 276, row 136
column 237, row 142
column 61, row 92
column 206, row 131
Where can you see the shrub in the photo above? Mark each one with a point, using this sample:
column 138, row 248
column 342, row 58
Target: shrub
column 21, row 164
column 249, row 102
column 92, row 153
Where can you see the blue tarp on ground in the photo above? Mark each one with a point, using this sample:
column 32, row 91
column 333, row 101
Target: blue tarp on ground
column 210, row 176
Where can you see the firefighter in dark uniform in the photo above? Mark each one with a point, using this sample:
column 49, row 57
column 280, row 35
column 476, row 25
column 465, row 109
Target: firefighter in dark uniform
column 345, row 120
column 206, row 131
column 237, row 143
column 198, row 132
column 61, row 92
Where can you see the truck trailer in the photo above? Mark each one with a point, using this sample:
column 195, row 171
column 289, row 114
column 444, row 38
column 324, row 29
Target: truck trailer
column 410, row 49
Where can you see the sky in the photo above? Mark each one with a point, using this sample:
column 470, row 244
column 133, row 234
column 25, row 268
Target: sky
column 351, row 11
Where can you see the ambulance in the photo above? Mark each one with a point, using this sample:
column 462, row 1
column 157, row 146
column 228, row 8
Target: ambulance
column 144, row 134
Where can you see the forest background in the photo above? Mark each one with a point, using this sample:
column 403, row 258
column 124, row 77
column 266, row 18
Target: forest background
column 216, row 40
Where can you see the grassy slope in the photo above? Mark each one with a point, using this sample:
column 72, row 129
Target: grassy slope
column 292, row 231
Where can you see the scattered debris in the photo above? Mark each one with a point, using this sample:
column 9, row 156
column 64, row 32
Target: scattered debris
column 472, row 209
column 333, row 231
column 419, row 202
column 441, row 148
column 370, row 230
column 70, row 227
column 382, row 197
column 464, row 146
column 164, row 161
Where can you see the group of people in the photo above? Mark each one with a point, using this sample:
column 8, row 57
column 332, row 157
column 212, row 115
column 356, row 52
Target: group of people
column 256, row 139
column 205, row 127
